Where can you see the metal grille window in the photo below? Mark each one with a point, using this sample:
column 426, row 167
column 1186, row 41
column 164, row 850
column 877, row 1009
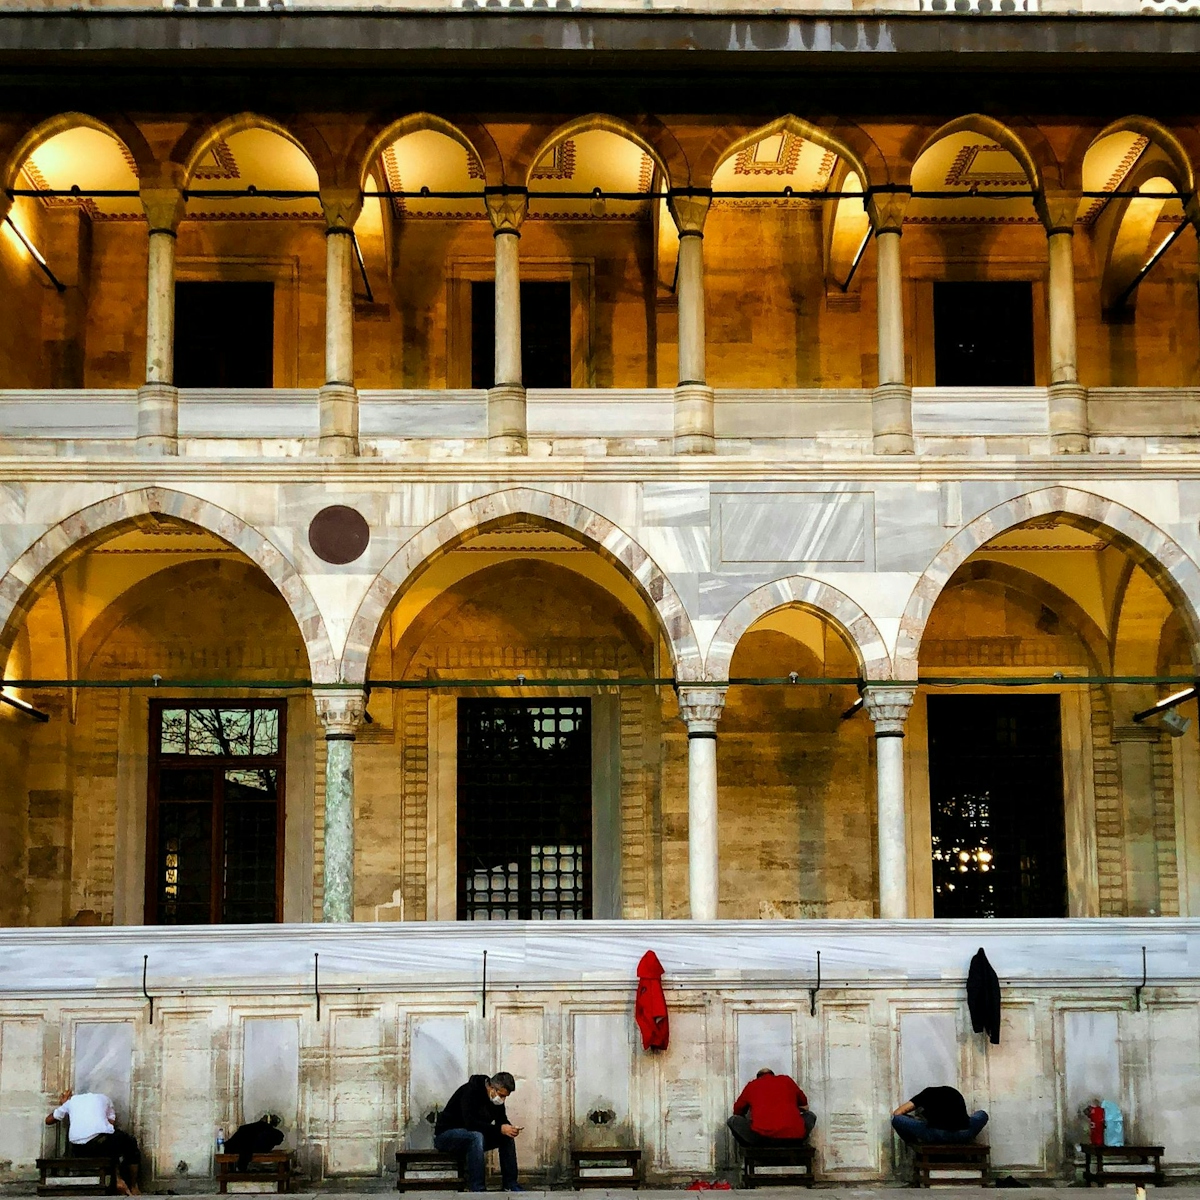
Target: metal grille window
column 996, row 806
column 215, row 823
column 524, row 810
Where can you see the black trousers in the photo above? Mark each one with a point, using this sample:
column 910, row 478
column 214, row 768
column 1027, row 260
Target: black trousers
column 117, row 1145
column 740, row 1128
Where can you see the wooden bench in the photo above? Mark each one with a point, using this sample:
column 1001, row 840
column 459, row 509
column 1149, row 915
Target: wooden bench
column 951, row 1163
column 81, row 1176
column 787, row 1165
column 606, row 1166
column 429, row 1171
column 270, row 1171
column 1121, row 1164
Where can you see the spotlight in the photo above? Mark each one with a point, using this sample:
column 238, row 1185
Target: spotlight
column 1175, row 724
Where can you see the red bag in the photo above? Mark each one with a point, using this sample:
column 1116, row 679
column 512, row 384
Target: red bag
column 1096, row 1124
column 650, row 1008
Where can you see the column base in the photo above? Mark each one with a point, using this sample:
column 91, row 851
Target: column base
column 338, row 406
column 1068, row 418
column 158, row 419
column 694, row 424
column 891, row 419
column 507, row 435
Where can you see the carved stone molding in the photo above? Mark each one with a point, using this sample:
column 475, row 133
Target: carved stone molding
column 888, row 707
column 700, row 707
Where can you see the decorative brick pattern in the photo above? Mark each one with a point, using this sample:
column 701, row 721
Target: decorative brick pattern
column 1110, row 824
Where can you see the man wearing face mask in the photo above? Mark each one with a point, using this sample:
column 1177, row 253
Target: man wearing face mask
column 474, row 1121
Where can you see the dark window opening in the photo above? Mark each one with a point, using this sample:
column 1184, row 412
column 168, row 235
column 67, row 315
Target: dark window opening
column 545, row 335
column 983, row 334
column 215, row 827
column 996, row 806
column 225, row 335
column 524, row 810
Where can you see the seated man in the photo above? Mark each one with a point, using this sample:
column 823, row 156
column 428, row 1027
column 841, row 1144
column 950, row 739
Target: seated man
column 92, row 1133
column 474, row 1121
column 937, row 1116
column 258, row 1137
column 777, row 1111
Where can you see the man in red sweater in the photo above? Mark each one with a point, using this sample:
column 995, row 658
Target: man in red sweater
column 771, row 1108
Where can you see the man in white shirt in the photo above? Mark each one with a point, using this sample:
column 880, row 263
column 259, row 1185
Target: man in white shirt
column 92, row 1133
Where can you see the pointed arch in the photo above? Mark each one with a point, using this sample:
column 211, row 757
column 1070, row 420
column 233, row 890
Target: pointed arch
column 649, row 135
column 1163, row 559
column 1157, row 134
column 846, row 615
column 471, row 135
column 78, row 533
column 1030, row 148
column 494, row 511
column 119, row 128
column 200, row 138
column 849, row 142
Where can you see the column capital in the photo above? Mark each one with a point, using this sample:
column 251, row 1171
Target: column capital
column 341, row 207
column 507, row 208
column 1057, row 210
column 341, row 712
column 888, row 704
column 886, row 207
column 689, row 208
column 164, row 208
column 700, row 706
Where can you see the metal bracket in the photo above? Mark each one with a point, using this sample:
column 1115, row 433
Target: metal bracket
column 317, row 982
column 1137, row 991
column 145, row 965
column 812, row 992
column 483, row 989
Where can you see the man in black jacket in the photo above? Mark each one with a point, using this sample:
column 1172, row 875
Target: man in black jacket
column 474, row 1121
column 937, row 1116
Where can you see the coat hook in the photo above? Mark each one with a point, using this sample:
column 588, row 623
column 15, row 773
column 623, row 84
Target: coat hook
column 1137, row 991
column 145, row 964
column 812, row 992
column 317, row 982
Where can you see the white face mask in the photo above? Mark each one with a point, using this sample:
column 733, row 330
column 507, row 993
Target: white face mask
column 498, row 1100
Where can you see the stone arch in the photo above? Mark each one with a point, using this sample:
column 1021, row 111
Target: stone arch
column 1169, row 142
column 201, row 137
column 850, row 143
column 651, row 136
column 118, row 127
column 860, row 632
column 1030, row 148
column 1163, row 559
column 494, row 511
column 76, row 534
column 474, row 137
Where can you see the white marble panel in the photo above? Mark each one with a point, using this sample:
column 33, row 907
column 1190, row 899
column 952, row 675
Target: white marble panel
column 103, row 1061
column 1021, row 1097
column 1093, row 1066
column 791, row 413
column 1175, row 1075
column 687, row 1139
column 520, row 1052
column 600, row 412
column 187, row 1103
column 248, row 413
column 980, row 412
column 422, row 414
column 764, row 1039
column 845, row 1107
column 437, row 1064
column 601, row 1052
column 68, row 415
column 22, row 1102
column 271, row 1069
column 928, row 1050
column 796, row 527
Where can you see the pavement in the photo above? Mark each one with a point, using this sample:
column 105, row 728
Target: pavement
column 847, row 1191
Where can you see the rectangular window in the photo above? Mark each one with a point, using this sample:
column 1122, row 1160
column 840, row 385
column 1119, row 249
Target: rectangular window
column 996, row 806
column 524, row 810
column 983, row 334
column 545, row 335
column 224, row 335
column 215, row 823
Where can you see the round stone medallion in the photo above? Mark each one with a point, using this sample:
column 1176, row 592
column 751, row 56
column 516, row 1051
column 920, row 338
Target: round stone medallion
column 338, row 534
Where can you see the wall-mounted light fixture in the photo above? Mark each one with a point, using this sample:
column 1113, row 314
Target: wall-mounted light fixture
column 23, row 706
column 1173, row 723
column 35, row 254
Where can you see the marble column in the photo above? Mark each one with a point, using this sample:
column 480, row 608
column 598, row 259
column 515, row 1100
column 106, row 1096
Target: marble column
column 507, row 435
column 158, row 397
column 891, row 401
column 1068, row 400
column 700, row 710
column 338, row 397
column 341, row 714
column 694, row 424
column 888, row 709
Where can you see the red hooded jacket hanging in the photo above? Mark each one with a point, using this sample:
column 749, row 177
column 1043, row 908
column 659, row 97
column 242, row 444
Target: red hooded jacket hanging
column 650, row 1009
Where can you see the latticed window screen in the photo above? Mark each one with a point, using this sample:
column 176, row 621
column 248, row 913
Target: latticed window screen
column 996, row 806
column 215, row 820
column 524, row 810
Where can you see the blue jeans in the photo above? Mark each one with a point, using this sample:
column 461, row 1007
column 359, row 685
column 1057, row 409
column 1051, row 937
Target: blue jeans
column 914, row 1131
column 469, row 1143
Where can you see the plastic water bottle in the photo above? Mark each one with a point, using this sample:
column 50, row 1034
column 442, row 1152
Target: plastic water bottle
column 220, row 1140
